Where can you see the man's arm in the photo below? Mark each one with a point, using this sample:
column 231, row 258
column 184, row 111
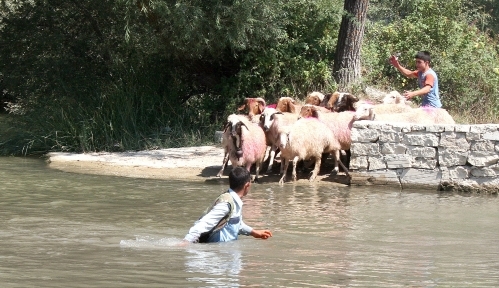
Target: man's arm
column 406, row 72
column 247, row 230
column 409, row 94
column 207, row 222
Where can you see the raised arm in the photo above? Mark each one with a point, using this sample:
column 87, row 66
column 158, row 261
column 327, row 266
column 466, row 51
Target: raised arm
column 406, row 72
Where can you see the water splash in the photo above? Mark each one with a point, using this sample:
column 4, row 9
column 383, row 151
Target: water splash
column 150, row 242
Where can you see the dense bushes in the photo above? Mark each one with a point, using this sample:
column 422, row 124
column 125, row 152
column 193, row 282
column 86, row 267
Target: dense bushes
column 463, row 56
column 127, row 75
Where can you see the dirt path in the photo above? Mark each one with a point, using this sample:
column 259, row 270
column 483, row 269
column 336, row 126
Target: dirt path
column 190, row 163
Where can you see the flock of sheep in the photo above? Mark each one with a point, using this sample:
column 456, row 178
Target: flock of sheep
column 301, row 131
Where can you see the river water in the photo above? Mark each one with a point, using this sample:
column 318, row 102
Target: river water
column 72, row 230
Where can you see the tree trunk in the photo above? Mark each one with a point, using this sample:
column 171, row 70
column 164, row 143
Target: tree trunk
column 346, row 69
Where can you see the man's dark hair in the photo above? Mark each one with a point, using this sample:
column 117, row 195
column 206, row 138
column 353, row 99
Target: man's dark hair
column 238, row 177
column 423, row 55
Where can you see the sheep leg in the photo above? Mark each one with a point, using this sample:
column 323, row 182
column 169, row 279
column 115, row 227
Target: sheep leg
column 267, row 153
column 285, row 164
column 343, row 167
column 336, row 159
column 258, row 166
column 295, row 161
column 318, row 161
column 248, row 167
column 226, row 159
column 272, row 156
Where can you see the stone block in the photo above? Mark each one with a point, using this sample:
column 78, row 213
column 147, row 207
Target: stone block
column 482, row 159
column 451, row 157
column 491, row 136
column 393, row 148
column 484, row 128
column 358, row 162
column 462, row 128
column 483, row 172
column 454, row 140
column 364, row 149
column 424, row 152
column 435, row 128
column 421, row 176
column 380, row 177
column 376, row 163
column 473, row 136
column 424, row 163
column 365, row 135
column 390, row 136
column 396, row 161
column 482, row 145
column 459, row 172
column 421, row 139
column 401, row 127
column 417, row 127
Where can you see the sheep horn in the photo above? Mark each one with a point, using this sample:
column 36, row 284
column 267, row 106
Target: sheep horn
column 226, row 126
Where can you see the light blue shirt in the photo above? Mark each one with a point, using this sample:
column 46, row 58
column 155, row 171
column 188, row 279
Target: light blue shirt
column 229, row 232
column 432, row 98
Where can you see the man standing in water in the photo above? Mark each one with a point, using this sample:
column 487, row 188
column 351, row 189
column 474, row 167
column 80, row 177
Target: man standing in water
column 223, row 221
column 427, row 79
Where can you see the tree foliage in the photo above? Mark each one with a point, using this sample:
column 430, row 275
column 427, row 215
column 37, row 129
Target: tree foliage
column 142, row 74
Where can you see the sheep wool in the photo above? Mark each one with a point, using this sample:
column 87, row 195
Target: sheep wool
column 307, row 138
column 272, row 123
column 244, row 143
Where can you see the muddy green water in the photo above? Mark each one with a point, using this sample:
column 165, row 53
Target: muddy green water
column 71, row 230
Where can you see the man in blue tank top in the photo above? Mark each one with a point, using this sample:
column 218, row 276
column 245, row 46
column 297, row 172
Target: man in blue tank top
column 427, row 79
column 224, row 220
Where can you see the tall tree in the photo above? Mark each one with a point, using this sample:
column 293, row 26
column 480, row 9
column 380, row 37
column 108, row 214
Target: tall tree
column 346, row 69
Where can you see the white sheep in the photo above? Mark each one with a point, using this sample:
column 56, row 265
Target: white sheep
column 340, row 125
column 423, row 115
column 272, row 122
column 394, row 97
column 244, row 144
column 391, row 108
column 307, row 138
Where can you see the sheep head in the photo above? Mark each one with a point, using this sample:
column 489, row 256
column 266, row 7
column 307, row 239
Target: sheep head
column 344, row 102
column 255, row 106
column 283, row 140
column 393, row 97
column 309, row 111
column 315, row 98
column 267, row 118
column 286, row 104
column 365, row 112
column 236, row 126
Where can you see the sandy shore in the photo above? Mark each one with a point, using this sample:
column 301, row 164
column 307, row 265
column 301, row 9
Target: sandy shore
column 190, row 163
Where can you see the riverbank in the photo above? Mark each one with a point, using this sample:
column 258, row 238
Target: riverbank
column 189, row 163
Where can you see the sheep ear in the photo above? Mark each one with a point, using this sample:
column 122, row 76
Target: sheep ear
column 352, row 98
column 325, row 101
column 226, row 126
column 292, row 108
column 315, row 112
column 261, row 105
column 332, row 100
column 372, row 115
column 243, row 106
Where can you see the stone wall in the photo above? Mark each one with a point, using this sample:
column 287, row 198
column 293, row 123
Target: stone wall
column 437, row 157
